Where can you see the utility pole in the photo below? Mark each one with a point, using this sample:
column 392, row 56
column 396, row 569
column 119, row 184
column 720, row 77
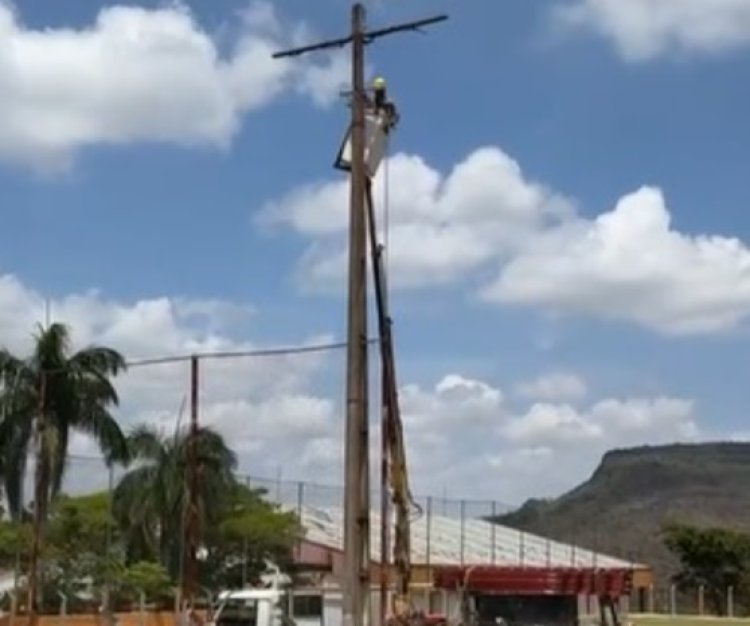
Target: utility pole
column 357, row 467
column 41, row 477
column 192, row 523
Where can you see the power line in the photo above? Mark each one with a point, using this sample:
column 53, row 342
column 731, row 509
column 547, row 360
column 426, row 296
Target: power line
column 230, row 354
column 265, row 352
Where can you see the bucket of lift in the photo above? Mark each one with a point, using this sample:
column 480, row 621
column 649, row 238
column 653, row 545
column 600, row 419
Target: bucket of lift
column 381, row 118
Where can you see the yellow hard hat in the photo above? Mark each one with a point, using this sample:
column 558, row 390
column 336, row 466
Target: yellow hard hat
column 378, row 82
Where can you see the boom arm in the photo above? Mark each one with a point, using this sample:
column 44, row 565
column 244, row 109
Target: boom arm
column 398, row 480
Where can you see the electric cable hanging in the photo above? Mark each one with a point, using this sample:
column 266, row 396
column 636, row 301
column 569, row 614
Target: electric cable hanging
column 229, row 354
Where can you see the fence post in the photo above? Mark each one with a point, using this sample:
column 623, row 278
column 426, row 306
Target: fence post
column 63, row 607
column 463, row 530
column 730, row 601
column 13, row 605
column 248, row 481
column 142, row 603
column 700, row 600
column 673, row 599
column 428, row 532
column 651, row 598
column 300, row 510
column 493, row 533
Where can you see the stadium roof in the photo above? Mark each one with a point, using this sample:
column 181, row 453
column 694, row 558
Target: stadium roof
column 439, row 542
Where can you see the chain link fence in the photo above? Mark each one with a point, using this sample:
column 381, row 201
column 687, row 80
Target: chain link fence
column 696, row 600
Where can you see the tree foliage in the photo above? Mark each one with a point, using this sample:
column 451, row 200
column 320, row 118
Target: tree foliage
column 715, row 558
column 54, row 391
column 251, row 532
column 150, row 500
column 74, row 391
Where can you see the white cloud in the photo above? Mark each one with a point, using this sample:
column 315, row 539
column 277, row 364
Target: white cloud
column 262, row 404
column 629, row 264
column 645, row 29
column 441, row 226
column 554, row 386
column 139, row 74
column 473, row 442
column 462, row 433
column 612, row 422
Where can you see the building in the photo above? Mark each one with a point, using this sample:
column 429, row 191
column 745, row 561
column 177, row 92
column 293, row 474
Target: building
column 498, row 565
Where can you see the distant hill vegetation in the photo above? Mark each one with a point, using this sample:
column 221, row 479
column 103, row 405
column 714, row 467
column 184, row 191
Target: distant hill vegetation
column 622, row 508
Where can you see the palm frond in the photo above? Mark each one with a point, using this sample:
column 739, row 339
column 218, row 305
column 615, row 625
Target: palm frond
column 145, row 443
column 96, row 421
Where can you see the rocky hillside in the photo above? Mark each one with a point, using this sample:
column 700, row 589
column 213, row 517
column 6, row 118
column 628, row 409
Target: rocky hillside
column 622, row 507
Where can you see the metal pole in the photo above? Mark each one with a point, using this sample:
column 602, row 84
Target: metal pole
column 463, row 530
column 428, row 531
column 189, row 580
column 108, row 547
column 493, row 533
column 356, row 513
column 384, row 509
column 245, row 548
column 300, row 512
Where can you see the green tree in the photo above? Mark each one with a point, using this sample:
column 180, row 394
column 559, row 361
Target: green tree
column 252, row 532
column 79, row 531
column 42, row 399
column 149, row 578
column 15, row 541
column 716, row 558
column 150, row 499
column 55, row 391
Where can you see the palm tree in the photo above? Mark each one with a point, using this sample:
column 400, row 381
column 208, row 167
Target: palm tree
column 57, row 392
column 150, row 500
column 43, row 398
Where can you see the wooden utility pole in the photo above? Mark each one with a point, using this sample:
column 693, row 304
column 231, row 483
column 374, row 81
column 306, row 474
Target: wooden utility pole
column 192, row 521
column 357, row 480
column 41, row 482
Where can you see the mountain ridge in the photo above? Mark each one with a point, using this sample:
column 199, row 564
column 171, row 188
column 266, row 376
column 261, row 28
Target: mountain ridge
column 622, row 507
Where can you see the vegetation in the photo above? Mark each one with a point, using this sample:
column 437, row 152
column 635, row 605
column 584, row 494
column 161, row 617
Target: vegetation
column 714, row 558
column 242, row 531
column 52, row 392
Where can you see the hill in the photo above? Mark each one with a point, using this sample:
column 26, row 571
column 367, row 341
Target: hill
column 621, row 509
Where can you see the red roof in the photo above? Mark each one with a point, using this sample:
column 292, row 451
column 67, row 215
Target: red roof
column 536, row 580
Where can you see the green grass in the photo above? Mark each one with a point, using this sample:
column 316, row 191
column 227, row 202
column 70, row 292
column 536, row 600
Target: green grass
column 685, row 620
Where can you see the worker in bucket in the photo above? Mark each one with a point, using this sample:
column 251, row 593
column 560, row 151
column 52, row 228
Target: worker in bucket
column 383, row 105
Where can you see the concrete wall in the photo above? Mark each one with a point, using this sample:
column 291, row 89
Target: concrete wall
column 123, row 619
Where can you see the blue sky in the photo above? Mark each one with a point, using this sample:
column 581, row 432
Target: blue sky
column 164, row 183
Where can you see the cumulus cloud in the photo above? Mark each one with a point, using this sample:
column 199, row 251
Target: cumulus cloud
column 611, row 422
column 645, row 29
column 463, row 434
column 139, row 74
column 464, row 431
column 258, row 404
column 554, row 386
column 627, row 264
column 441, row 226
column 630, row 264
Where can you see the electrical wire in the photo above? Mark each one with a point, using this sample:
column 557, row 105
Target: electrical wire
column 234, row 354
column 386, row 204
column 229, row 354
